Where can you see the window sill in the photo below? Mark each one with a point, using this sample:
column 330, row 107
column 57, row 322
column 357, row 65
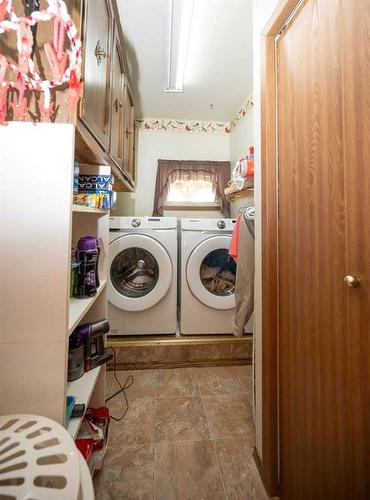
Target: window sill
column 193, row 207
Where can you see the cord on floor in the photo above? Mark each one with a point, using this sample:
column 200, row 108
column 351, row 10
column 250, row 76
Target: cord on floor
column 122, row 388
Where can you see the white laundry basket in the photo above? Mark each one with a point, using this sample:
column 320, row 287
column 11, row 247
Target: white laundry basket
column 39, row 461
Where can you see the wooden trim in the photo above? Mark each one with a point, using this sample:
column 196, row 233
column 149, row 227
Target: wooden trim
column 257, row 460
column 281, row 13
column 269, row 274
column 185, row 364
column 269, row 465
column 152, row 340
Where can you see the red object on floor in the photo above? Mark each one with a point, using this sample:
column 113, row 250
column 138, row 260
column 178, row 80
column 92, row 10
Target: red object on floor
column 86, row 447
column 234, row 244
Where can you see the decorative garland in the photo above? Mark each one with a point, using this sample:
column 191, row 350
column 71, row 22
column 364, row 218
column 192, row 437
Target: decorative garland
column 27, row 78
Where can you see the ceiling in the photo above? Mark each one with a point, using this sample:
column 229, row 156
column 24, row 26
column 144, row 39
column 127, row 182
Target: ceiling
column 219, row 65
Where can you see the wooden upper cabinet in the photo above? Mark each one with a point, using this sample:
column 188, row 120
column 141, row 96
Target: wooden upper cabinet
column 104, row 119
column 97, row 39
column 129, row 140
column 117, row 104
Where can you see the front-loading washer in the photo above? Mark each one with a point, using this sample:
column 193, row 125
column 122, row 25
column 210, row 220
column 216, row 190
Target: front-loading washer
column 207, row 277
column 142, row 277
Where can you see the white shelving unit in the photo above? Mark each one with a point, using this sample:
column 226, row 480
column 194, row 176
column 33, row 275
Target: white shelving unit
column 82, row 389
column 94, row 222
column 89, row 210
column 39, row 225
column 78, row 308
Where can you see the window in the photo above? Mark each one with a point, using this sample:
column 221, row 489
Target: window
column 191, row 191
column 185, row 184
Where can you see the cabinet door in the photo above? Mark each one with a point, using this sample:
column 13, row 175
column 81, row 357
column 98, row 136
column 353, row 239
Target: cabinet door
column 117, row 134
column 97, row 37
column 129, row 144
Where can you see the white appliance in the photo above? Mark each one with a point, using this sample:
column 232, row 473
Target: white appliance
column 207, row 277
column 142, row 277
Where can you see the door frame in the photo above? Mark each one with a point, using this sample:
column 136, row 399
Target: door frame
column 268, row 464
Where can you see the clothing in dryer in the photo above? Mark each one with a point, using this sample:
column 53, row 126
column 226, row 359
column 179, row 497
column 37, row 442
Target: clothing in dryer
column 218, row 272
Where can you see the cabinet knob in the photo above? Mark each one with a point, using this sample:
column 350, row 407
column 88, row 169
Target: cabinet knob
column 117, row 105
column 100, row 53
column 351, row 281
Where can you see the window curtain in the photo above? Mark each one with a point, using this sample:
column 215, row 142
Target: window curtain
column 216, row 172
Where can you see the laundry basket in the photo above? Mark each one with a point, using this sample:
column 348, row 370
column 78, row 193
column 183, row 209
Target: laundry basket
column 39, row 461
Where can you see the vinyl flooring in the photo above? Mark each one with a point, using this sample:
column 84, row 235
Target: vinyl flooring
column 188, row 434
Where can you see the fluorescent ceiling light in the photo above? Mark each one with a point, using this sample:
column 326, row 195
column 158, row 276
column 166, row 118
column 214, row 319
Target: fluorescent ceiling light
column 178, row 23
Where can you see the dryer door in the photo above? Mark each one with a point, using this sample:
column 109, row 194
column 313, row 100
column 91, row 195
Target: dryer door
column 140, row 272
column 210, row 273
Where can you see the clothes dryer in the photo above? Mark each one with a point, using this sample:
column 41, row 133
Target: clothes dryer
column 208, row 274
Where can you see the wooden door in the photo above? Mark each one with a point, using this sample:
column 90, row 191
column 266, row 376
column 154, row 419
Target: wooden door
column 97, row 40
column 129, row 147
column 117, row 136
column 321, row 67
column 356, row 117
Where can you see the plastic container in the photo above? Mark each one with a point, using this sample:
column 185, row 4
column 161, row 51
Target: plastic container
column 76, row 362
column 73, row 278
column 250, row 162
column 76, row 171
column 88, row 276
column 71, row 401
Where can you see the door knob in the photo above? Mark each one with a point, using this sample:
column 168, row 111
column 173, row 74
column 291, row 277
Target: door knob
column 351, row 281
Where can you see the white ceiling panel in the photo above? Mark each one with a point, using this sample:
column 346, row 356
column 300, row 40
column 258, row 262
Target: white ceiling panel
column 219, row 64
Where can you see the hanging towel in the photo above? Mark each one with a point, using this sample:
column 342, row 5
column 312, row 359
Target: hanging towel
column 244, row 284
column 234, row 244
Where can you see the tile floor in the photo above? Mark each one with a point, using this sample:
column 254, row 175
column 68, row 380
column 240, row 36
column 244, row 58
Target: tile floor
column 188, row 434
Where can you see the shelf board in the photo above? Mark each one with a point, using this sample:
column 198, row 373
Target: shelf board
column 79, row 307
column 233, row 193
column 89, row 210
column 82, row 389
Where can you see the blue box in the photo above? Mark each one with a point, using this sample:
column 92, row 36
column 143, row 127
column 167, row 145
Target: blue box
column 94, row 182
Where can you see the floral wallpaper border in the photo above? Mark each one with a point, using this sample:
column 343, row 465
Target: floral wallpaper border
column 242, row 113
column 194, row 126
column 191, row 126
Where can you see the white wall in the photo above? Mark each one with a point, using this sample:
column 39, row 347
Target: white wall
column 152, row 146
column 262, row 10
column 241, row 138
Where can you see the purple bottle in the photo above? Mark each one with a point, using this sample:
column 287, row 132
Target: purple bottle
column 88, row 277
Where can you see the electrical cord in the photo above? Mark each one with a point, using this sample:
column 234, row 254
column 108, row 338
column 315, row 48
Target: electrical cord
column 122, row 388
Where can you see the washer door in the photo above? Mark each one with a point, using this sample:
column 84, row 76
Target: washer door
column 211, row 272
column 140, row 272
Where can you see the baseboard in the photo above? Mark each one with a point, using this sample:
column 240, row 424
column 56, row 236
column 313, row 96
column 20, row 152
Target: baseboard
column 258, row 462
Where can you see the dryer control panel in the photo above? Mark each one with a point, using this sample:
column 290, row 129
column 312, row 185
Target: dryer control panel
column 217, row 225
column 117, row 223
